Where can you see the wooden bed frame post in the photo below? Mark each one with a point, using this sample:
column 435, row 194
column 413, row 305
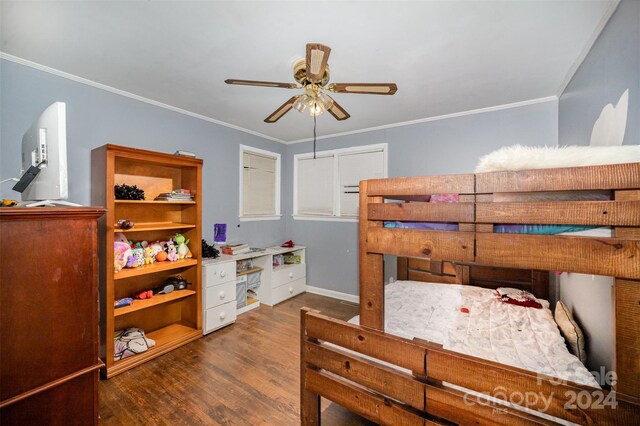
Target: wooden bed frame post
column 626, row 362
column 371, row 268
column 309, row 401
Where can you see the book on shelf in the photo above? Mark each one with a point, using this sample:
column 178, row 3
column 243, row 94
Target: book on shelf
column 175, row 195
column 184, row 153
column 235, row 249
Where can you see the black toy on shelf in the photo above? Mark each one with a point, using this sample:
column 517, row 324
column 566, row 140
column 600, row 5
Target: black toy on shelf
column 128, row 192
column 209, row 250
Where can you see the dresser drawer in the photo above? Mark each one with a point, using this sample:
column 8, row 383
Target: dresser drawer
column 287, row 274
column 219, row 294
column 288, row 290
column 219, row 273
column 219, row 316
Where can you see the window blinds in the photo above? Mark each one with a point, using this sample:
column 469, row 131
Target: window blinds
column 352, row 169
column 315, row 186
column 258, row 184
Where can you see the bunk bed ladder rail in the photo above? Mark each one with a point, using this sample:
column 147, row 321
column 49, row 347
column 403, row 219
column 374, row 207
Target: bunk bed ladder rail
column 359, row 370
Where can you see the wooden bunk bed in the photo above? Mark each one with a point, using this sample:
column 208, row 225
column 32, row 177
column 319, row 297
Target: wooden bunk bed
column 393, row 380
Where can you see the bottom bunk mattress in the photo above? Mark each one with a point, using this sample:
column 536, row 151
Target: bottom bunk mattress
column 474, row 321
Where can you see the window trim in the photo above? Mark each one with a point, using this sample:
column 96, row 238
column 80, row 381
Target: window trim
column 263, row 152
column 335, row 153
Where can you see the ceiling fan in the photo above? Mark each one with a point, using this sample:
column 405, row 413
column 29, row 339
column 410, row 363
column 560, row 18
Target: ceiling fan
column 312, row 75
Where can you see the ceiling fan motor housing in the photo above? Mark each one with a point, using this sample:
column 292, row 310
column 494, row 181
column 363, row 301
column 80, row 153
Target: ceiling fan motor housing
column 300, row 73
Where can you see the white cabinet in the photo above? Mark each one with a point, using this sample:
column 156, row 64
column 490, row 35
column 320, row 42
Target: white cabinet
column 288, row 280
column 277, row 283
column 219, row 295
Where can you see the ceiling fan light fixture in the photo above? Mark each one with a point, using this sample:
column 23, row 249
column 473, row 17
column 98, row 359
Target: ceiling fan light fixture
column 300, row 103
column 324, row 100
column 316, row 109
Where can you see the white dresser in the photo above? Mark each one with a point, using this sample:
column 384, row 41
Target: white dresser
column 277, row 283
column 219, row 304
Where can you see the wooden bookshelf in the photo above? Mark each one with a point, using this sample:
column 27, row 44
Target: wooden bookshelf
column 173, row 319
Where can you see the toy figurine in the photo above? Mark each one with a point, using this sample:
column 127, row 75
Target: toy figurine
column 172, row 256
column 149, row 255
column 161, row 256
column 121, row 254
column 136, row 259
column 183, row 250
column 157, row 247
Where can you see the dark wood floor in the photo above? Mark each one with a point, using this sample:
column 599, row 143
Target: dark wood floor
column 247, row 373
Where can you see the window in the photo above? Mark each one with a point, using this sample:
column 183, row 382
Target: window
column 259, row 184
column 327, row 187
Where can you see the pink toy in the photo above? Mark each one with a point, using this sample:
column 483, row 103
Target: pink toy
column 173, row 253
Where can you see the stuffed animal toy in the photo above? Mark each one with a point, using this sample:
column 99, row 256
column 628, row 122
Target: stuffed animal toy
column 183, row 250
column 172, row 256
column 136, row 259
column 161, row 256
column 157, row 247
column 121, row 254
column 149, row 255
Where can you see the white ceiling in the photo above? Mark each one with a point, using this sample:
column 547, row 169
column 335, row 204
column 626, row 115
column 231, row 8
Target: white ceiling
column 446, row 56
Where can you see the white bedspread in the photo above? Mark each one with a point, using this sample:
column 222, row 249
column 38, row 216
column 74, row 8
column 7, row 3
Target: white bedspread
column 522, row 337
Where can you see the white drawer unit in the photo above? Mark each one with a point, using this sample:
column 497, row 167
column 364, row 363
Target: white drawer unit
column 287, row 273
column 265, row 278
column 219, row 316
column 219, row 273
column 288, row 290
column 219, row 294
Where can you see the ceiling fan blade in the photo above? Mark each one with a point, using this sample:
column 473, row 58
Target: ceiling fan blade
column 337, row 111
column 317, row 57
column 262, row 83
column 282, row 110
column 364, row 88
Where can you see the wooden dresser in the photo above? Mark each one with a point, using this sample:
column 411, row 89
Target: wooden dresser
column 49, row 343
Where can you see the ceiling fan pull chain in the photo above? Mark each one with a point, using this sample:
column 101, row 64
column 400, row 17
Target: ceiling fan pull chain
column 314, row 137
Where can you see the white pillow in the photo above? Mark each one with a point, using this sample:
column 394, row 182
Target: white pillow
column 571, row 331
column 518, row 157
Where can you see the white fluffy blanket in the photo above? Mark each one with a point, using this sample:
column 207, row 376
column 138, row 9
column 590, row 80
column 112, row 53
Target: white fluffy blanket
column 518, row 157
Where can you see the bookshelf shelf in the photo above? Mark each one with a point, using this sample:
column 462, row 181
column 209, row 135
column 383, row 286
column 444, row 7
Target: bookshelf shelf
column 153, row 268
column 152, row 202
column 155, row 226
column 157, row 299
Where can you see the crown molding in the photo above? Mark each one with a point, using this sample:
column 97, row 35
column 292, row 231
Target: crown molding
column 97, row 85
column 435, row 118
column 88, row 82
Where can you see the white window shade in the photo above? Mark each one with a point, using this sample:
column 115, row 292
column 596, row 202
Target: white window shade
column 259, row 182
column 352, row 169
column 315, row 186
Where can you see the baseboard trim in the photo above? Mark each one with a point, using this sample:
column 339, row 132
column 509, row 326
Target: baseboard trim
column 334, row 294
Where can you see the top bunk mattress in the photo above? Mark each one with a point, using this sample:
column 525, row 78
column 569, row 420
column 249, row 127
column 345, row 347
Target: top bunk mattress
column 522, row 337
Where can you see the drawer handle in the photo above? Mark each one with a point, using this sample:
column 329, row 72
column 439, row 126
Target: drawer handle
column 290, row 274
column 290, row 289
column 222, row 295
column 222, row 315
column 223, row 274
